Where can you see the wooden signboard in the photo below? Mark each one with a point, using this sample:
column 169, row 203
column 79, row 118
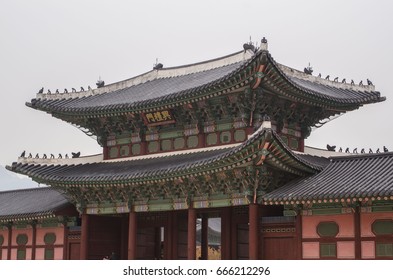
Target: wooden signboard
column 160, row 117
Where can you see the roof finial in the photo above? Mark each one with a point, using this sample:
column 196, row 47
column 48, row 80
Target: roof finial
column 263, row 44
column 100, row 83
column 157, row 66
column 308, row 70
column 249, row 46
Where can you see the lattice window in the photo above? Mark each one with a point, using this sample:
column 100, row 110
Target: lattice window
column 328, row 250
column 384, row 250
column 382, row 227
column 327, row 229
column 49, row 240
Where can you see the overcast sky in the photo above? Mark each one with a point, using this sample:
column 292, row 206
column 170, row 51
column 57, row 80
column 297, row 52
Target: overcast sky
column 65, row 44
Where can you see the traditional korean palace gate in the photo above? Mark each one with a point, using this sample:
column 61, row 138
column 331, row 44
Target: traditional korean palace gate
column 185, row 144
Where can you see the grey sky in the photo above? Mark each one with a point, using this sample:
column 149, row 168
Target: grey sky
column 64, row 44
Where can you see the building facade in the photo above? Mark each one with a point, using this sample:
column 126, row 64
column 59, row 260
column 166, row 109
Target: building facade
column 220, row 139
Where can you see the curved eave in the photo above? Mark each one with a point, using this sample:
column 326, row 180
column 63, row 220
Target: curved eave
column 248, row 153
column 355, row 96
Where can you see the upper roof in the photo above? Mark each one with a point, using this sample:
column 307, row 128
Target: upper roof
column 170, row 87
column 355, row 177
column 30, row 204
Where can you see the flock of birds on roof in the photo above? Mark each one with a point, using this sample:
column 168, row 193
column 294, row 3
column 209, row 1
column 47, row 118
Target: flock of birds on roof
column 100, row 83
column 355, row 150
column 52, row 156
column 308, row 70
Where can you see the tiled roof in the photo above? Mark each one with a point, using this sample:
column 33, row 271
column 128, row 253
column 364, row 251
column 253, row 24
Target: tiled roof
column 355, row 177
column 30, row 203
column 170, row 85
column 147, row 168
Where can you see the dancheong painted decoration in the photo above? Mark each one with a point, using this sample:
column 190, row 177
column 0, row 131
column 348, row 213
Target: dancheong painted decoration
column 204, row 161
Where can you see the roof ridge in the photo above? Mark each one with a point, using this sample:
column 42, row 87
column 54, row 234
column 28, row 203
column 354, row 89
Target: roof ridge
column 362, row 156
column 155, row 74
column 27, row 190
column 294, row 73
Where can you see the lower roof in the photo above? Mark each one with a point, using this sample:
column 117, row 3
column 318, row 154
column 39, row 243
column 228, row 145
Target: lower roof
column 353, row 178
column 30, row 203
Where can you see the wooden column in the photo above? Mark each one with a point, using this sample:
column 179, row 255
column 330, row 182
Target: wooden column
column 226, row 233
column 204, row 238
column 191, row 234
column 124, row 238
column 358, row 232
column 299, row 235
column 65, row 240
column 34, row 239
column 132, row 236
column 9, row 241
column 168, row 237
column 84, row 237
column 253, row 231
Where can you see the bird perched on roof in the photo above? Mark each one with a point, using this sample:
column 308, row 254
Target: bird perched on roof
column 331, row 148
column 361, row 83
column 340, row 150
column 158, row 66
column 319, row 75
column 41, row 90
column 88, row 87
column 385, row 150
column 23, row 154
column 57, row 91
column 355, row 151
column 369, row 82
column 352, row 82
column 347, row 150
column 76, row 155
column 82, row 89
column 49, row 92
column 344, row 81
column 370, row 151
column 30, row 155
column 73, row 89
column 44, row 156
column 336, row 79
column 60, row 156
column 65, row 90
column 52, row 156
column 378, row 151
column 362, row 151
column 327, row 77
column 66, row 155
column 37, row 156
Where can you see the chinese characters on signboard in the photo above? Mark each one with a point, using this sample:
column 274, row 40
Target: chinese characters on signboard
column 159, row 118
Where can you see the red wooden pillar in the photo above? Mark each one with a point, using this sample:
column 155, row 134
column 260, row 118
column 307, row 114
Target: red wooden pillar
column 204, row 238
column 84, row 237
column 299, row 235
column 9, row 241
column 253, row 231
column 34, row 239
column 168, row 237
column 65, row 240
column 132, row 236
column 191, row 234
column 226, row 234
column 358, row 245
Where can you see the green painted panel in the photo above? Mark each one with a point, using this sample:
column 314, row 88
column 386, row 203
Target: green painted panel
column 192, row 142
column 49, row 254
column 21, row 239
column 328, row 249
column 160, row 207
column 171, row 134
column 383, row 227
column 124, row 151
column 113, row 152
column 136, row 149
column 123, row 141
column 21, row 254
column 294, row 144
column 290, row 213
column 326, row 211
column 50, row 238
column 240, row 135
column 225, row 137
column 384, row 250
column 166, row 145
column 179, row 143
column 224, row 126
column 382, row 208
column 211, row 139
column 153, row 147
column 220, row 203
column 327, row 229
column 50, row 225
